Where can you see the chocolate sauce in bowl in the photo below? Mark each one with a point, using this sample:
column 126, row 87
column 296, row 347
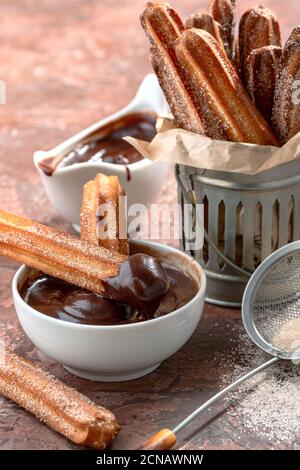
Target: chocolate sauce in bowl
column 108, row 146
column 143, row 290
column 142, row 282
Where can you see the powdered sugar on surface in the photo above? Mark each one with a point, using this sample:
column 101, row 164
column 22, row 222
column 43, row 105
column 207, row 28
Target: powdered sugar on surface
column 268, row 405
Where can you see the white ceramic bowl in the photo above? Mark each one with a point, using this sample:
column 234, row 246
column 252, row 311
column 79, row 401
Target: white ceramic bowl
column 119, row 352
column 64, row 187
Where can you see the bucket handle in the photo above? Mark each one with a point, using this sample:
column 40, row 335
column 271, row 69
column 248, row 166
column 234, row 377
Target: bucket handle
column 206, row 236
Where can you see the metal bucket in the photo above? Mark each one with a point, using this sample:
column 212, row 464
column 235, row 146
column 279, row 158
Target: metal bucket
column 246, row 219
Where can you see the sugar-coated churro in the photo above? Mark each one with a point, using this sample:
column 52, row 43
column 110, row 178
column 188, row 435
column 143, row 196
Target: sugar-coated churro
column 214, row 83
column 163, row 27
column 62, row 408
column 286, row 112
column 258, row 28
column 57, row 253
column 224, row 12
column 207, row 22
column 262, row 70
column 103, row 192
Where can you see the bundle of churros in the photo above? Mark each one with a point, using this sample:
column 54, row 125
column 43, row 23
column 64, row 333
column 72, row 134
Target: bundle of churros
column 239, row 90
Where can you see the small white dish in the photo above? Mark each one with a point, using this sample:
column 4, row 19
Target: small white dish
column 119, row 352
column 64, row 187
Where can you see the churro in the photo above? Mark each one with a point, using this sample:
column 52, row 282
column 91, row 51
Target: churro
column 207, row 22
column 214, row 83
column 62, row 408
column 286, row 112
column 163, row 27
column 262, row 69
column 57, row 253
column 224, row 12
column 258, row 28
column 104, row 194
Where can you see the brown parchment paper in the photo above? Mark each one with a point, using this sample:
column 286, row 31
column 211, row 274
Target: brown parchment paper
column 180, row 146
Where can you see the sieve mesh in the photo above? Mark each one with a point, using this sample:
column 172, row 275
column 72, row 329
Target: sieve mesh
column 276, row 306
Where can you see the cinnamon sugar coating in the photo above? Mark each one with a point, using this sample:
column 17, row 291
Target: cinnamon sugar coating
column 62, row 408
column 57, row 253
column 286, row 112
column 103, row 190
column 224, row 12
column 163, row 27
column 258, row 28
column 219, row 91
column 262, row 69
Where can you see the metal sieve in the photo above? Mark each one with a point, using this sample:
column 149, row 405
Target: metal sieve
column 271, row 302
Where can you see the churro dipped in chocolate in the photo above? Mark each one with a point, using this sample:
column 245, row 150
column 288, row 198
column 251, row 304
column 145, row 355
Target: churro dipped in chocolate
column 286, row 112
column 62, row 408
column 262, row 69
column 224, row 13
column 101, row 202
column 210, row 76
column 57, row 253
column 258, row 28
column 163, row 27
column 91, row 267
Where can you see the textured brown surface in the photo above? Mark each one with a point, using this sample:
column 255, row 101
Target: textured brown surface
column 63, row 70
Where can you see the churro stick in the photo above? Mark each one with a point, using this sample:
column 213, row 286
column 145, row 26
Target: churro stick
column 262, row 69
column 224, row 12
column 207, row 22
column 102, row 197
column 215, row 84
column 62, row 408
column 89, row 216
column 258, row 28
column 163, row 27
column 286, row 112
column 158, row 23
column 237, row 62
column 57, row 253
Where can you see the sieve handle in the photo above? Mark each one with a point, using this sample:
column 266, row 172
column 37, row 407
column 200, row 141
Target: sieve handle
column 162, row 440
column 207, row 237
column 166, row 439
column 223, row 392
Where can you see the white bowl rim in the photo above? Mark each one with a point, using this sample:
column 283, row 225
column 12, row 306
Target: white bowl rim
column 201, row 292
column 135, row 105
column 141, row 164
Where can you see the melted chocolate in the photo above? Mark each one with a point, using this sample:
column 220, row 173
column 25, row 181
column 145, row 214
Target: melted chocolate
column 110, row 146
column 141, row 283
column 161, row 290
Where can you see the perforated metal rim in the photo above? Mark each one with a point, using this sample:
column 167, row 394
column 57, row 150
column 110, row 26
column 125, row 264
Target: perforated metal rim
column 250, row 294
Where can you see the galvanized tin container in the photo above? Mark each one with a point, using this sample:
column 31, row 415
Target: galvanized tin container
column 246, row 219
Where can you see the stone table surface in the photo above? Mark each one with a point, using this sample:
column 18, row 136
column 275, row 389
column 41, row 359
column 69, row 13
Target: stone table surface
column 66, row 65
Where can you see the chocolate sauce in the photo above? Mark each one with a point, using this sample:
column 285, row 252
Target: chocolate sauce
column 142, row 282
column 109, row 145
column 161, row 290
